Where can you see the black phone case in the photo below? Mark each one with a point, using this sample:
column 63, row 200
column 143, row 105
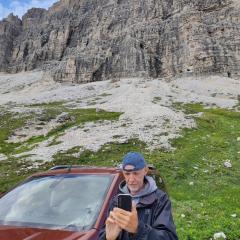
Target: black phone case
column 125, row 202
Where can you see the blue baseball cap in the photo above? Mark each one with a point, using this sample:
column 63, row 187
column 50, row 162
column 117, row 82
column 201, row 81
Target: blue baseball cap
column 135, row 160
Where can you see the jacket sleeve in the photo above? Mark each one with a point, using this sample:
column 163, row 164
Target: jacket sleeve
column 163, row 227
column 102, row 232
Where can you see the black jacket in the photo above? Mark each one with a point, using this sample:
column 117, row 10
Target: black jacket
column 155, row 219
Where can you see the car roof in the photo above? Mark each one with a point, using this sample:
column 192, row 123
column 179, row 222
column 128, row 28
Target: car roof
column 79, row 169
column 82, row 169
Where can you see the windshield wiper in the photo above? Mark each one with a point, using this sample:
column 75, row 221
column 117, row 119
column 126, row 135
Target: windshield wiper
column 76, row 227
column 73, row 227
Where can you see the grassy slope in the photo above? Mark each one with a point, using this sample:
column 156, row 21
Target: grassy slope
column 200, row 209
column 215, row 195
column 15, row 169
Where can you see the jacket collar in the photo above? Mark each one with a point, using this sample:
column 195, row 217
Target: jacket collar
column 147, row 200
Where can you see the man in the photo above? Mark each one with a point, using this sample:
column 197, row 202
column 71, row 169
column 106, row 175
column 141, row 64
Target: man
column 150, row 218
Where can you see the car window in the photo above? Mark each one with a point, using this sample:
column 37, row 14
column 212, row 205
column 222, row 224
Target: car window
column 65, row 201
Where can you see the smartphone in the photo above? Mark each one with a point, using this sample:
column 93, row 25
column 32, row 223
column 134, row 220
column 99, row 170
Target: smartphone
column 125, row 202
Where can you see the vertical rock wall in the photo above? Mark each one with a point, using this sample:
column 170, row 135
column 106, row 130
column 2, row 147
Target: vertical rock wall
column 91, row 40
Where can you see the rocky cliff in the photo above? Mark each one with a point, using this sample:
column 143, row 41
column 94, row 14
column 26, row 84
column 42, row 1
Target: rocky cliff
column 91, row 40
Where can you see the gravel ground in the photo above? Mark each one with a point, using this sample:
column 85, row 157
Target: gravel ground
column 146, row 105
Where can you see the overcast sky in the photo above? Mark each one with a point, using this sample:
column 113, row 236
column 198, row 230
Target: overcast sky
column 20, row 7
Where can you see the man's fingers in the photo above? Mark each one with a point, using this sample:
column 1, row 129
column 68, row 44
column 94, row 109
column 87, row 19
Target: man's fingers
column 110, row 220
column 122, row 217
column 121, row 222
column 121, row 211
column 126, row 223
column 125, row 220
column 111, row 217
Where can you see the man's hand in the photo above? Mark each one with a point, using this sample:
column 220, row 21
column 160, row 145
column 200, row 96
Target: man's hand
column 126, row 220
column 112, row 229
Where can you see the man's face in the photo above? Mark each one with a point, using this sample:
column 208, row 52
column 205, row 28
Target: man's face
column 135, row 180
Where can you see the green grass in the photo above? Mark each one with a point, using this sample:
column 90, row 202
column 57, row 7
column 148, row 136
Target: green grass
column 12, row 171
column 199, row 158
column 81, row 116
column 9, row 122
column 77, row 117
column 201, row 209
column 156, row 99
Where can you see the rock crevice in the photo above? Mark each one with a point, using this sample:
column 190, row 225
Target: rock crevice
column 84, row 41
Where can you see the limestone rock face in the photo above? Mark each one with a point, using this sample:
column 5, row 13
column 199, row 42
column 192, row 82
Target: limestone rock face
column 92, row 40
column 10, row 28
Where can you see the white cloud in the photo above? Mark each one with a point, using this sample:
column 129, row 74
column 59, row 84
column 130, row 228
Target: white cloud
column 2, row 11
column 19, row 8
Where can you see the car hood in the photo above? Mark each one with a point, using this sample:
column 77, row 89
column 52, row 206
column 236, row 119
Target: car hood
column 23, row 233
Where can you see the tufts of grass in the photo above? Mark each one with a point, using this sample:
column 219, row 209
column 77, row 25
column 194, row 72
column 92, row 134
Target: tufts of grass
column 156, row 99
column 199, row 160
column 56, row 104
column 109, row 155
column 9, row 122
column 204, row 193
column 105, row 95
column 79, row 117
column 12, row 171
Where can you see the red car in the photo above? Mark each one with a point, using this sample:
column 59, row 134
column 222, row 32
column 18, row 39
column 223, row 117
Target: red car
column 65, row 203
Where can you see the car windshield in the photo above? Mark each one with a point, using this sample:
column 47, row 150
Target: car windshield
column 67, row 201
